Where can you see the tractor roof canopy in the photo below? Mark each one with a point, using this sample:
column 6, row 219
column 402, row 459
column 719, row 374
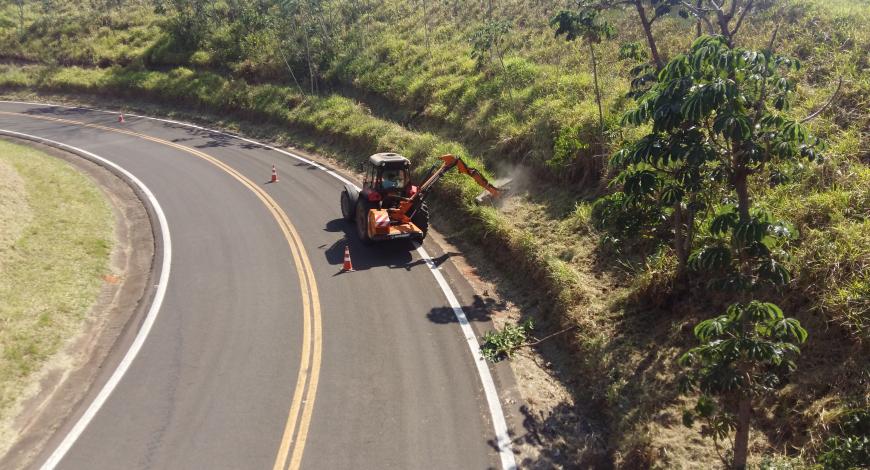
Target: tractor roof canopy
column 393, row 160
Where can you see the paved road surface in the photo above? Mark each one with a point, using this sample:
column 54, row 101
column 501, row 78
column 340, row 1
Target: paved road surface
column 218, row 376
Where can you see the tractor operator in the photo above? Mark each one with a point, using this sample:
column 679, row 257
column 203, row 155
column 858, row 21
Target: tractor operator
column 392, row 180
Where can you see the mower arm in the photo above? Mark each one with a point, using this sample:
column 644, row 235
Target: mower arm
column 448, row 163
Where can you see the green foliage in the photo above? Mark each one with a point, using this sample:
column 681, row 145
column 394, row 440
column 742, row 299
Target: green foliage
column 583, row 24
column 717, row 115
column 744, row 255
column 498, row 345
column 623, row 217
column 850, row 449
column 743, row 354
column 567, row 146
column 487, row 41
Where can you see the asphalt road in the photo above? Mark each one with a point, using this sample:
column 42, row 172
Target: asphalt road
column 394, row 384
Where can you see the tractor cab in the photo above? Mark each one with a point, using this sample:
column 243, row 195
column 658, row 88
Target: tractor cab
column 387, row 180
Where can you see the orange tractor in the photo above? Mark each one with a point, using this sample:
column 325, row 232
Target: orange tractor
column 389, row 207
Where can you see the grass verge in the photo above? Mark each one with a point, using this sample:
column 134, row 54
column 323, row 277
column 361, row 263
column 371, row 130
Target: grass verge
column 56, row 237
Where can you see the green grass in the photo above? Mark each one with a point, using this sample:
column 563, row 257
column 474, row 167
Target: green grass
column 51, row 261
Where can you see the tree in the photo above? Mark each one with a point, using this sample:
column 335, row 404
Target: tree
column 584, row 25
column 20, row 4
column 487, row 45
column 305, row 19
column 743, row 356
column 728, row 16
column 487, row 42
column 648, row 12
column 719, row 115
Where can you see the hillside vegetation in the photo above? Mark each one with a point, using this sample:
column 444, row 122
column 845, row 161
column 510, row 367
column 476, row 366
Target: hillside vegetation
column 492, row 81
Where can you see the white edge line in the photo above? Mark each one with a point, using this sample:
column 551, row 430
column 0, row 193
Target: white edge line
column 150, row 317
column 499, row 424
column 498, row 420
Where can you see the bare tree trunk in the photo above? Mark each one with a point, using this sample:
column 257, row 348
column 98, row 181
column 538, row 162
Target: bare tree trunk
column 20, row 16
column 597, row 89
column 741, row 436
column 426, row 27
column 647, row 29
column 741, row 186
column 698, row 25
column 690, row 226
column 308, row 53
column 289, row 68
column 679, row 242
column 497, row 53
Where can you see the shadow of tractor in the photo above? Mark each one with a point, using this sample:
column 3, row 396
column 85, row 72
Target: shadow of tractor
column 391, row 254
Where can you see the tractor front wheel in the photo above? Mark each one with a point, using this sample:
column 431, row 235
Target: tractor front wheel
column 346, row 206
column 421, row 219
column 362, row 220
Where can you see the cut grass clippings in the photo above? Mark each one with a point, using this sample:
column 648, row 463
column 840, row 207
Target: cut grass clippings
column 51, row 261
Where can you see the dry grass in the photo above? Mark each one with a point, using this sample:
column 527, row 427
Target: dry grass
column 52, row 260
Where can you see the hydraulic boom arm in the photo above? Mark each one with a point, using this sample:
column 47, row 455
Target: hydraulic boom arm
column 448, row 162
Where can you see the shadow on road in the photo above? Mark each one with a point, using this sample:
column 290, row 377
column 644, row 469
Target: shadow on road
column 211, row 139
column 57, row 111
column 307, row 166
column 394, row 254
column 480, row 310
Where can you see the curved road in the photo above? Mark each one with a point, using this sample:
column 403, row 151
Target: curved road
column 263, row 355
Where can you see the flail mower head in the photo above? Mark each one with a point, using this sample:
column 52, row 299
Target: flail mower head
column 496, row 190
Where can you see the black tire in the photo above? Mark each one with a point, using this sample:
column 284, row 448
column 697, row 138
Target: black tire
column 421, row 219
column 362, row 220
column 347, row 209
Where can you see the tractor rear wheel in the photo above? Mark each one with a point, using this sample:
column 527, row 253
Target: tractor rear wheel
column 346, row 206
column 362, row 220
column 421, row 219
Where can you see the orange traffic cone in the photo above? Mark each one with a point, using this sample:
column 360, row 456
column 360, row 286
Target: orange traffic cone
column 121, row 118
column 274, row 174
column 348, row 266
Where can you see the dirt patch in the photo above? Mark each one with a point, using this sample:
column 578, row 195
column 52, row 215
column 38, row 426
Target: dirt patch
column 59, row 387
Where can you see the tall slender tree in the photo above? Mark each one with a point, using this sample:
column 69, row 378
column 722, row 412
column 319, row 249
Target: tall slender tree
column 585, row 25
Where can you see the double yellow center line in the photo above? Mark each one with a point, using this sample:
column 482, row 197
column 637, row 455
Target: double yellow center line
column 302, row 405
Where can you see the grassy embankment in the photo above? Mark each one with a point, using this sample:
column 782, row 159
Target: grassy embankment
column 56, row 232
column 419, row 92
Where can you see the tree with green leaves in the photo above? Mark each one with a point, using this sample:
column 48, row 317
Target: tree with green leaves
column 488, row 46
column 648, row 12
column 727, row 14
column 744, row 355
column 487, row 42
column 719, row 116
column 585, row 25
column 722, row 17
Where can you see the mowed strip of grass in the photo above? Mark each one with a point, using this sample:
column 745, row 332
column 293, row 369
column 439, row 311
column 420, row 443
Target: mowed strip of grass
column 56, row 235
